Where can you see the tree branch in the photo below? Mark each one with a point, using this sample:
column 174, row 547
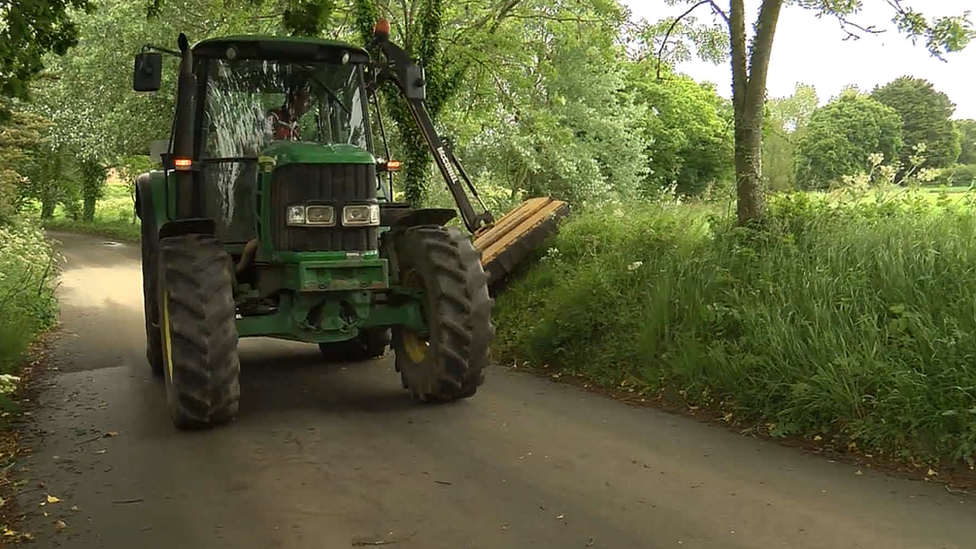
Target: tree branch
column 664, row 42
column 762, row 47
column 667, row 35
column 737, row 42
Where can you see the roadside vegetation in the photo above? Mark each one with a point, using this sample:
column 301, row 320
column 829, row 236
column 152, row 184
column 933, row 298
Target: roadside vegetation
column 830, row 298
column 27, row 303
column 846, row 319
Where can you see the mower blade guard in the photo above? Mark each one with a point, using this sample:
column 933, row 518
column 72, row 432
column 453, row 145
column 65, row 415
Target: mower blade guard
column 506, row 243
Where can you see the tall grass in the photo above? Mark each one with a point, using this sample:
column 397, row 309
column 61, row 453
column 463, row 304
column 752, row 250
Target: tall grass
column 27, row 301
column 847, row 318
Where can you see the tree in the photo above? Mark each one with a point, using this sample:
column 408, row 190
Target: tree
column 785, row 124
column 20, row 141
column 547, row 108
column 842, row 138
column 687, row 128
column 29, row 29
column 926, row 118
column 750, row 65
column 967, row 144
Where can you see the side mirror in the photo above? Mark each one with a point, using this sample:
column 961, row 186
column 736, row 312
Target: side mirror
column 148, row 72
column 416, row 83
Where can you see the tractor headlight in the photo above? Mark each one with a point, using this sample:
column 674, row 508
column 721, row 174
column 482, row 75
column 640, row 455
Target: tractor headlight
column 361, row 215
column 295, row 215
column 314, row 215
column 320, row 215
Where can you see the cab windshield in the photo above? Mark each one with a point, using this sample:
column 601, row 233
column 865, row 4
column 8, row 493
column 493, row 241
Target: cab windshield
column 251, row 103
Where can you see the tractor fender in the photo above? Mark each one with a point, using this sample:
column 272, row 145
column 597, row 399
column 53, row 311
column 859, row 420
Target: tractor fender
column 146, row 212
column 143, row 190
column 426, row 216
column 180, row 227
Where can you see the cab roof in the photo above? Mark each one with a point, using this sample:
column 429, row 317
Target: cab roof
column 288, row 48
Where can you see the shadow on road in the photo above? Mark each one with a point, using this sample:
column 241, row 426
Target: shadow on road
column 281, row 376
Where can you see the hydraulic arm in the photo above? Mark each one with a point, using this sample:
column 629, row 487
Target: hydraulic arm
column 409, row 79
column 503, row 244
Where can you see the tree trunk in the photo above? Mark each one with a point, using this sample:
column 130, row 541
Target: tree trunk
column 749, row 99
column 88, row 208
column 47, row 207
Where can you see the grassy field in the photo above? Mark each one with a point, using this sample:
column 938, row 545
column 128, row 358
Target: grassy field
column 113, row 217
column 848, row 320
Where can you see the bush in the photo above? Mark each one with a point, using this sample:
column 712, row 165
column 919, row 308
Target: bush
column 27, row 300
column 852, row 318
column 957, row 176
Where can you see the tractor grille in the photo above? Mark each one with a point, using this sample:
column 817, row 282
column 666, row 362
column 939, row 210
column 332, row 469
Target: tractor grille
column 335, row 184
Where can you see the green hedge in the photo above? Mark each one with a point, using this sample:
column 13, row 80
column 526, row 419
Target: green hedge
column 27, row 301
column 853, row 319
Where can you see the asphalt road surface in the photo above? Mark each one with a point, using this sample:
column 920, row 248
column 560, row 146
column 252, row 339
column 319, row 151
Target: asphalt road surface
column 333, row 456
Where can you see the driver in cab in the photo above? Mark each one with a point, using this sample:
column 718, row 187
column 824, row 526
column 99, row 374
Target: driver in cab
column 284, row 119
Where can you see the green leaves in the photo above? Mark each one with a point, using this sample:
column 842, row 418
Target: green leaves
column 926, row 118
column 29, row 29
column 841, row 138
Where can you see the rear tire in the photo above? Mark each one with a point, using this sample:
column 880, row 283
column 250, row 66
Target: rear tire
column 368, row 345
column 199, row 330
column 150, row 293
column 451, row 363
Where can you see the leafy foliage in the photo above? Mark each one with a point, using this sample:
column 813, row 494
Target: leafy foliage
column 688, row 131
column 843, row 136
column 967, row 141
column 29, row 29
column 785, row 124
column 27, row 301
column 549, row 111
column 926, row 118
column 849, row 319
column 750, row 64
column 20, row 145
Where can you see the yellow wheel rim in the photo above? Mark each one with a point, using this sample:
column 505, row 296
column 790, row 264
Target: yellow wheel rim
column 167, row 341
column 416, row 346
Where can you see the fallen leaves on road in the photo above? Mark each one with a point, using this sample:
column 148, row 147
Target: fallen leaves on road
column 53, row 499
column 60, row 525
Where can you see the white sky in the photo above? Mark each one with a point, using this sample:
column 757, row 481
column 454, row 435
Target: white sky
column 812, row 51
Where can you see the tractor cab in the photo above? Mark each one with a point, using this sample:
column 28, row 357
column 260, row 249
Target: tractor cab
column 296, row 109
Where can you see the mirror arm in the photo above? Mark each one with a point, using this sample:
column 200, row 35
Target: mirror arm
column 150, row 47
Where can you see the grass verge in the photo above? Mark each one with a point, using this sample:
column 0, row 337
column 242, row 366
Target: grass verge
column 27, row 302
column 116, row 230
column 28, row 309
column 847, row 321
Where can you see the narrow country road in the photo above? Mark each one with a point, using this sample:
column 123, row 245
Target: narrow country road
column 334, row 456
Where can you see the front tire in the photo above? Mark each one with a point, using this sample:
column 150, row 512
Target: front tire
column 198, row 326
column 150, row 293
column 449, row 362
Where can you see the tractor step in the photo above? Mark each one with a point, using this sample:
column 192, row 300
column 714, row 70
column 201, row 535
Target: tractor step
column 506, row 243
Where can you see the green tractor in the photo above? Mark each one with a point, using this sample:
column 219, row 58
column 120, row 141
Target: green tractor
column 273, row 216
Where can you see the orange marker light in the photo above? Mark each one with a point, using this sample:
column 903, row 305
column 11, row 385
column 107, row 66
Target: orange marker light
column 382, row 29
column 393, row 165
column 182, row 163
